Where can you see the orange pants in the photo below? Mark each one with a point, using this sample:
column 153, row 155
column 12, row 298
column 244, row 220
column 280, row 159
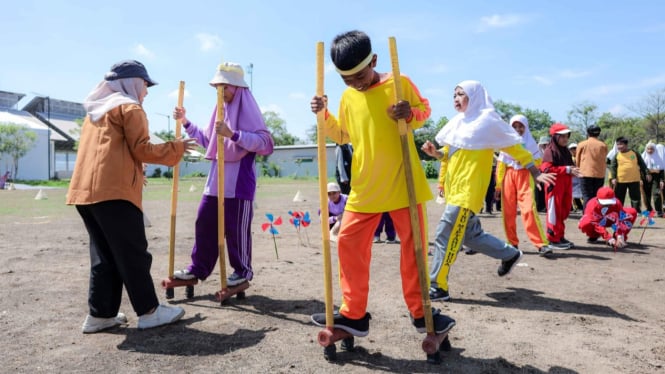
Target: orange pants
column 354, row 247
column 518, row 190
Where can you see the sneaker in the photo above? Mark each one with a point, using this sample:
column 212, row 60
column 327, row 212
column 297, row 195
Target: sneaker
column 566, row 241
column 508, row 265
column 235, row 280
column 592, row 240
column 469, row 251
column 355, row 327
column 436, row 293
column 559, row 245
column 163, row 315
column 377, row 240
column 442, row 323
column 183, row 274
column 96, row 324
column 545, row 250
column 392, row 241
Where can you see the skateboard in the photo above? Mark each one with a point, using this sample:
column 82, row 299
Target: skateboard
column 225, row 294
column 170, row 283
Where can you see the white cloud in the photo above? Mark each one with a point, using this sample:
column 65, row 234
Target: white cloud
column 142, row 51
column 297, row 96
column 618, row 110
column 174, row 93
column 208, row 42
column 272, row 108
column 498, row 21
column 542, row 80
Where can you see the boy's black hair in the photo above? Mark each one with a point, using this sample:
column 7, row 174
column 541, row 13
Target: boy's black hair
column 593, row 130
column 621, row 139
column 349, row 49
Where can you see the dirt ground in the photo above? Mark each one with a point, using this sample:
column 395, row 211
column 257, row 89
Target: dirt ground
column 587, row 310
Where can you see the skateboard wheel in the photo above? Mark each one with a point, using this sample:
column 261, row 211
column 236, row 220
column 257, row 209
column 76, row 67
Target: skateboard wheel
column 434, row 358
column 241, row 295
column 445, row 345
column 189, row 291
column 347, row 344
column 330, row 352
column 169, row 293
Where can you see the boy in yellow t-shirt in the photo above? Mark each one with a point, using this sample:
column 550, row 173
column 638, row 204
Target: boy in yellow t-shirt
column 368, row 119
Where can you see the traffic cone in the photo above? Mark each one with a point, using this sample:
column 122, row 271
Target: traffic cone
column 41, row 195
column 299, row 197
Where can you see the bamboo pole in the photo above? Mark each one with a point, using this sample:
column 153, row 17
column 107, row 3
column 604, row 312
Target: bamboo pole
column 323, row 194
column 410, row 188
column 174, row 186
column 220, row 190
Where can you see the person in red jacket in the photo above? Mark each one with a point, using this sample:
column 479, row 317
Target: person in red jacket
column 604, row 211
column 557, row 159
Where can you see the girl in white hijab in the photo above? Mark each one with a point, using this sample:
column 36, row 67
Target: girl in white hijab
column 471, row 138
column 653, row 190
column 516, row 188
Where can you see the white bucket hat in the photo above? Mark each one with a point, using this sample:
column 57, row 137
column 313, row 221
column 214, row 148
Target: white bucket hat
column 229, row 73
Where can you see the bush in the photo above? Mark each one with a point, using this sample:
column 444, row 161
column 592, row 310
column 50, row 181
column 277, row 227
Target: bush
column 431, row 172
column 157, row 173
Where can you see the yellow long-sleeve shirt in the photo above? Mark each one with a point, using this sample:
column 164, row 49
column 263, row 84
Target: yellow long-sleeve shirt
column 469, row 172
column 378, row 182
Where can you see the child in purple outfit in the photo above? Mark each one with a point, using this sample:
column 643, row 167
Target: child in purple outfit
column 245, row 136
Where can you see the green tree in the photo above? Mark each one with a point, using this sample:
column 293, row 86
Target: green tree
column 632, row 128
column 76, row 132
column 166, row 135
column 16, row 141
column 539, row 120
column 652, row 109
column 582, row 116
column 277, row 127
column 427, row 132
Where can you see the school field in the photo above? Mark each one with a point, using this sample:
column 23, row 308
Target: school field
column 586, row 310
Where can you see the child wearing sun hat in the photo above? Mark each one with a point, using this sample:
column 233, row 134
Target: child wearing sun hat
column 245, row 136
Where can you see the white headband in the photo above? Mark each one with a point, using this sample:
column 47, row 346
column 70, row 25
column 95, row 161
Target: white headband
column 361, row 65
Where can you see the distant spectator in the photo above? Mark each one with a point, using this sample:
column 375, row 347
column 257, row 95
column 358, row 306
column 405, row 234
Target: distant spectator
column 654, row 158
column 344, row 154
column 626, row 172
column 3, row 180
column 590, row 158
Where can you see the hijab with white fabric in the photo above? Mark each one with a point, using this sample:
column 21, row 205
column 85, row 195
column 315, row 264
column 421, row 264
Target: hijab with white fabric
column 612, row 154
column 480, row 126
column 653, row 160
column 110, row 94
column 527, row 141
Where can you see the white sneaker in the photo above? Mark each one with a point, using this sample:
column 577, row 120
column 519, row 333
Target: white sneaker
column 183, row 274
column 235, row 280
column 96, row 324
column 163, row 315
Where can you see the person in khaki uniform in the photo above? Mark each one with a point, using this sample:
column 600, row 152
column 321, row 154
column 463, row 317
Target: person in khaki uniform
column 590, row 158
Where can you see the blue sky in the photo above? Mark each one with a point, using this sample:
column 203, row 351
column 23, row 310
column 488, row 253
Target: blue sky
column 547, row 55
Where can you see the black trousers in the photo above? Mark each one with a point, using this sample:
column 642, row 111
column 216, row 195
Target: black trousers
column 633, row 191
column 118, row 256
column 590, row 187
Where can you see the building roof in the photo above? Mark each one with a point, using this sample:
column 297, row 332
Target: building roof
column 26, row 119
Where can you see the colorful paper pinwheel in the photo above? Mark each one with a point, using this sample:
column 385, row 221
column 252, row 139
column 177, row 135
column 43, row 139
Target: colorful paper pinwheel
column 271, row 224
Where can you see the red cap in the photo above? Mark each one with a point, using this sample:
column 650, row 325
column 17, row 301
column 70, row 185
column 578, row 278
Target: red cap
column 559, row 128
column 605, row 196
